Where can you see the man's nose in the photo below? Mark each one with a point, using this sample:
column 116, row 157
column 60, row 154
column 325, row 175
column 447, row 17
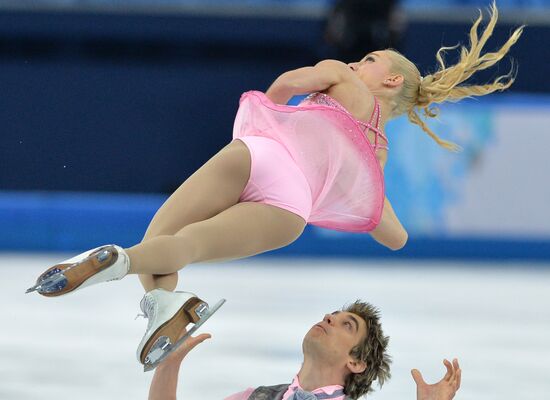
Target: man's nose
column 328, row 319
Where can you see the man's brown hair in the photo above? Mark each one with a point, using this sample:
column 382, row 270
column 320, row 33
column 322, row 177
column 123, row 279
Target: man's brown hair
column 372, row 350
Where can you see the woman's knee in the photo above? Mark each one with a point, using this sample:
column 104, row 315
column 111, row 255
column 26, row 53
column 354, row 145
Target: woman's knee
column 287, row 228
column 160, row 225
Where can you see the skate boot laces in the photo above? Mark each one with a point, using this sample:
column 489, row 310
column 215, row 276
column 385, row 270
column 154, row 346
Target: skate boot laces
column 147, row 305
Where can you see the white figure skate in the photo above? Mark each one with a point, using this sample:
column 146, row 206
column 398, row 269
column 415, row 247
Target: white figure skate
column 105, row 263
column 169, row 313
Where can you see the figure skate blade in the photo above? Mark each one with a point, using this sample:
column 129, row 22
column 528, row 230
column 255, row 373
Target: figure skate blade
column 53, row 281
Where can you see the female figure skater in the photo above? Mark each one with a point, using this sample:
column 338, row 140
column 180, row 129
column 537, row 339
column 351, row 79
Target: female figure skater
column 320, row 162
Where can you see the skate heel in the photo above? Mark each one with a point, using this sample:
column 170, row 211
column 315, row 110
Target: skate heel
column 168, row 333
column 169, row 313
column 82, row 270
column 163, row 346
column 192, row 314
column 196, row 311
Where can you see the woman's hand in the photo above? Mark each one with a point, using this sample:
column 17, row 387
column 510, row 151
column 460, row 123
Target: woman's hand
column 445, row 389
column 389, row 231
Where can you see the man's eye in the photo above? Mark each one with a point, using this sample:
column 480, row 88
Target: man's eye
column 348, row 324
column 369, row 58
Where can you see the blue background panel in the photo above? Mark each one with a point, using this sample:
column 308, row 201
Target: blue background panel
column 77, row 221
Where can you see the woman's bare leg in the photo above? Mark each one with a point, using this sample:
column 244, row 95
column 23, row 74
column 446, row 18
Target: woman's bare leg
column 216, row 186
column 240, row 231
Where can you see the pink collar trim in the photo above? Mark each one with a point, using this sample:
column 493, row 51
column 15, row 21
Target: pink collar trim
column 325, row 389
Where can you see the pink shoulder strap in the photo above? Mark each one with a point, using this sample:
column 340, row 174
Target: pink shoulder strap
column 374, row 125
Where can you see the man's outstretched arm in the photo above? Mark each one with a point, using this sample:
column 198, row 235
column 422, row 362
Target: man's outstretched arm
column 165, row 381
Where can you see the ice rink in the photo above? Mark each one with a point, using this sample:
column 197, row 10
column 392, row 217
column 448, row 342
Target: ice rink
column 494, row 318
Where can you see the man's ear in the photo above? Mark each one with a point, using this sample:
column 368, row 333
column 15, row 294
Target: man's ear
column 356, row 366
column 394, row 80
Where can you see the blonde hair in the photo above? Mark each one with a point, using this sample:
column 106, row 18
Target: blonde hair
column 443, row 85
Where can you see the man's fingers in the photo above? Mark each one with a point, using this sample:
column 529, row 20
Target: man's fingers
column 195, row 340
column 458, row 378
column 417, row 376
column 449, row 367
column 182, row 334
column 455, row 379
column 203, row 336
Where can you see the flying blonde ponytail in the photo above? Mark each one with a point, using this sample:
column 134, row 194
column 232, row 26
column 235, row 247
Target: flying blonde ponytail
column 443, row 85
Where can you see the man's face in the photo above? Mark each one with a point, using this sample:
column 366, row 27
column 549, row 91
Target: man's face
column 331, row 340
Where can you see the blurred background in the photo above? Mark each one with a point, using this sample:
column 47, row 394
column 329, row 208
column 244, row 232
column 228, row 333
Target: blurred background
column 107, row 106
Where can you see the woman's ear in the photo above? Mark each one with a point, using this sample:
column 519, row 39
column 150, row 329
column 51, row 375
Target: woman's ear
column 394, row 80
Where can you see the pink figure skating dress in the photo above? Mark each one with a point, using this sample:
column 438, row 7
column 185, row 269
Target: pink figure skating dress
column 314, row 160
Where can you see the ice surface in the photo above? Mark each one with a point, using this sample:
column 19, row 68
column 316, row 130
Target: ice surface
column 495, row 318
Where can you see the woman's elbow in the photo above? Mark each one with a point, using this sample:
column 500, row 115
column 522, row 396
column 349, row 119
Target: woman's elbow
column 398, row 242
column 281, row 90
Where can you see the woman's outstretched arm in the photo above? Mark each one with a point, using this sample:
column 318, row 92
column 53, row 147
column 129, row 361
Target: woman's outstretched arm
column 389, row 231
column 306, row 80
